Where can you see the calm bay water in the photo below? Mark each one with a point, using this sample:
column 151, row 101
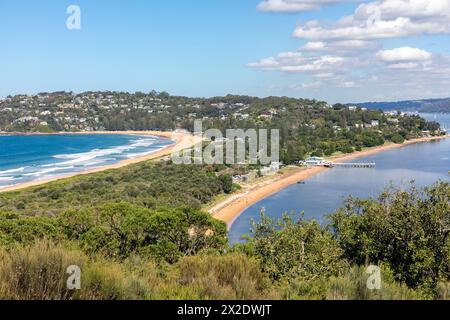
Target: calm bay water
column 324, row 193
column 30, row 158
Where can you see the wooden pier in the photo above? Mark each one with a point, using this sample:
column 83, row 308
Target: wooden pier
column 350, row 165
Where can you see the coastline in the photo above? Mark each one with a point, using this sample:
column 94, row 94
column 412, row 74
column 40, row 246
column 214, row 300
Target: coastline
column 182, row 140
column 229, row 209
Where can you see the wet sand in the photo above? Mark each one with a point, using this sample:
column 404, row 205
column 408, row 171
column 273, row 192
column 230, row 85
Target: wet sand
column 232, row 207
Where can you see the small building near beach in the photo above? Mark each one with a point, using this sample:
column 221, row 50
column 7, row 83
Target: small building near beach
column 314, row 161
column 271, row 170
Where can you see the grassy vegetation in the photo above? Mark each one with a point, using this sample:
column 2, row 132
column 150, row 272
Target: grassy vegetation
column 139, row 233
column 38, row 272
column 147, row 184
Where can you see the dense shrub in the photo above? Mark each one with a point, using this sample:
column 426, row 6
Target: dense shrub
column 38, row 272
column 145, row 184
column 25, row 230
column 224, row 277
column 290, row 249
column 121, row 229
column 407, row 230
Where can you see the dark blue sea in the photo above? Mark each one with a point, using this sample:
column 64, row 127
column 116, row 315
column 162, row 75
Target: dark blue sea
column 324, row 193
column 30, row 158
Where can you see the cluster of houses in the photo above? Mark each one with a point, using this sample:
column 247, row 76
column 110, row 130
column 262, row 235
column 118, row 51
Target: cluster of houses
column 266, row 171
column 82, row 112
column 85, row 111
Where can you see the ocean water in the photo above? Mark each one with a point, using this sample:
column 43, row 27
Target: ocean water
column 324, row 193
column 31, row 158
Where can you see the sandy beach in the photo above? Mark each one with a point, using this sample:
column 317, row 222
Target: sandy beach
column 182, row 140
column 232, row 207
column 229, row 209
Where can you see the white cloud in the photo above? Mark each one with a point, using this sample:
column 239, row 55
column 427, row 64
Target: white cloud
column 385, row 19
column 296, row 62
column 348, row 53
column 293, row 5
column 315, row 46
column 404, row 65
column 312, row 85
column 324, row 76
column 403, row 54
column 400, row 27
column 344, row 47
column 414, row 9
column 347, row 84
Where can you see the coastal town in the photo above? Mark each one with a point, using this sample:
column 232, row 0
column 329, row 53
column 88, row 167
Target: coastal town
column 310, row 129
column 112, row 111
column 98, row 111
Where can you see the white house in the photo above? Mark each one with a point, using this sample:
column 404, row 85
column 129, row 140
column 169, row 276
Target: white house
column 314, row 161
column 273, row 169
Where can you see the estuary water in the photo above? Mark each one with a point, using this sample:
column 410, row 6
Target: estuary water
column 30, row 158
column 322, row 194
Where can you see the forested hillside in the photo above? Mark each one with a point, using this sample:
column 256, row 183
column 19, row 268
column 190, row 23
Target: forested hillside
column 430, row 105
column 307, row 127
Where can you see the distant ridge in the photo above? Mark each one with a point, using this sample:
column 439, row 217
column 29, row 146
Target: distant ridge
column 425, row 105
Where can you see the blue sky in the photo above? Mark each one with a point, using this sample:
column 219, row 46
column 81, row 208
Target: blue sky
column 216, row 47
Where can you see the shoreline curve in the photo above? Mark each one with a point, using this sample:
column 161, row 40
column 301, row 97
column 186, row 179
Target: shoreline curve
column 231, row 208
column 181, row 140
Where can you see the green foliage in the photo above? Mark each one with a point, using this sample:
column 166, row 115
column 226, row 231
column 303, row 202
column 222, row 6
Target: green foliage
column 148, row 209
column 146, row 184
column 290, row 249
column 350, row 285
column 138, row 233
column 38, row 272
column 228, row 277
column 118, row 230
column 397, row 138
column 16, row 229
column 407, row 230
column 353, row 286
column 227, row 183
column 121, row 229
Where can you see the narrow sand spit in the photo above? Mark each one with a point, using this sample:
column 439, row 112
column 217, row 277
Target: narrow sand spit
column 231, row 208
column 182, row 140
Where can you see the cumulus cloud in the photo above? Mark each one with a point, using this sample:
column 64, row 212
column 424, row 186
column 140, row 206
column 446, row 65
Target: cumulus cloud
column 349, row 52
column 296, row 62
column 385, row 19
column 373, row 29
column 293, row 5
column 343, row 47
column 414, row 9
column 315, row 46
column 403, row 54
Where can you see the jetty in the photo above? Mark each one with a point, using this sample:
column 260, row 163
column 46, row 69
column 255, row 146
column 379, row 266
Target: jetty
column 351, row 165
column 321, row 162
